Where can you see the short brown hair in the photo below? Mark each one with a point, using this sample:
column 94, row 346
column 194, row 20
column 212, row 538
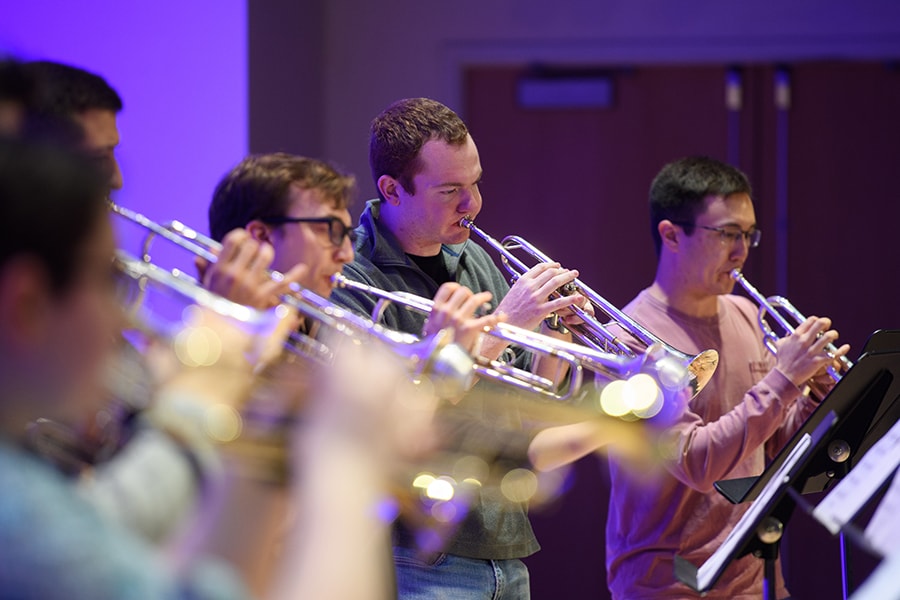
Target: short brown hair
column 399, row 132
column 259, row 187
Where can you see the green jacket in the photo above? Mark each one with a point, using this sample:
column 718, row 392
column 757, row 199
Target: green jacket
column 494, row 528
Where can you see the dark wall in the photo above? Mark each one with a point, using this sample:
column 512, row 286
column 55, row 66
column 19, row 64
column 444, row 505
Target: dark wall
column 287, row 76
column 574, row 180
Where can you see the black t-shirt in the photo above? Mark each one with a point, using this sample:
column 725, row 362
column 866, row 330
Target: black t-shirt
column 434, row 267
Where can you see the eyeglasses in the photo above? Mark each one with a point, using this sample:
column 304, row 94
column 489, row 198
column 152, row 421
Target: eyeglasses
column 729, row 235
column 337, row 231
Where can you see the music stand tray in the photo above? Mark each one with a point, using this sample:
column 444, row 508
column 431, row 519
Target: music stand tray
column 760, row 529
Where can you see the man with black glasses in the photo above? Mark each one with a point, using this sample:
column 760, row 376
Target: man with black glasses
column 285, row 212
column 703, row 224
column 289, row 214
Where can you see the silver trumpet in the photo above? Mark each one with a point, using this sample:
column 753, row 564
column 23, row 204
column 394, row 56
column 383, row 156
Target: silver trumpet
column 447, row 365
column 782, row 311
column 436, row 356
column 668, row 375
column 591, row 332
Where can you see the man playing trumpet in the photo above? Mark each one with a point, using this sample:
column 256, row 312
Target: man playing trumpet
column 427, row 170
column 704, row 225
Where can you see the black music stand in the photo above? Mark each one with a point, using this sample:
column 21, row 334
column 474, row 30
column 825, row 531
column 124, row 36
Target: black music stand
column 883, row 340
column 760, row 529
column 866, row 405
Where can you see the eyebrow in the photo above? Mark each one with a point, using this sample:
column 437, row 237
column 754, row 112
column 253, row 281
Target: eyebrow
column 733, row 224
column 458, row 184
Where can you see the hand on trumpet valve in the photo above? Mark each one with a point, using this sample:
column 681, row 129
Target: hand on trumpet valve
column 455, row 308
column 805, row 354
column 535, row 295
column 242, row 274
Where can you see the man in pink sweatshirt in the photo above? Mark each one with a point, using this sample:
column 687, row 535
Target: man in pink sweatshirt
column 703, row 224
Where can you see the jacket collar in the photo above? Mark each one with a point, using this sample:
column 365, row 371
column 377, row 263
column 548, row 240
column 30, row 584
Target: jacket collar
column 383, row 248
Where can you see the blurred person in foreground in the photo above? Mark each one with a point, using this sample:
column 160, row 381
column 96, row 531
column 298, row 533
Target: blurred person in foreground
column 59, row 318
column 66, row 92
column 135, row 472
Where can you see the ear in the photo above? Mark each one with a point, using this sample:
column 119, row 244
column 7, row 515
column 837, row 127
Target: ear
column 670, row 234
column 259, row 231
column 390, row 189
column 25, row 301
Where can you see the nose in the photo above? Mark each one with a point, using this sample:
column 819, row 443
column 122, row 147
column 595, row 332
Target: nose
column 470, row 200
column 115, row 178
column 344, row 252
column 741, row 247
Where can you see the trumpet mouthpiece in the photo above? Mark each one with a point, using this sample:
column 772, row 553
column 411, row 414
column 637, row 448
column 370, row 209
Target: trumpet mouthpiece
column 466, row 222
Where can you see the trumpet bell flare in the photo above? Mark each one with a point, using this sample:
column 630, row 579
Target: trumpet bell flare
column 702, row 369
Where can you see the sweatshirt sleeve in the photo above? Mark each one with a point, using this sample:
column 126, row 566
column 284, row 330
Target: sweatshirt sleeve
column 703, row 453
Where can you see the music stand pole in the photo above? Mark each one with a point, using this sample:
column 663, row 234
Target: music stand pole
column 845, row 566
column 769, row 531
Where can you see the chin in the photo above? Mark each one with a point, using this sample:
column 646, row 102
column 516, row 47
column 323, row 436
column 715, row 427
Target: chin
column 323, row 289
column 458, row 237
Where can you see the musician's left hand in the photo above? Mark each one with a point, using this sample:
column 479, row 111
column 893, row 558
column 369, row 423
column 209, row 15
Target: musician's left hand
column 455, row 307
column 568, row 315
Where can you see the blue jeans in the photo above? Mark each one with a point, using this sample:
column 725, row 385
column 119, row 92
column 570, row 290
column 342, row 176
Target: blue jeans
column 448, row 577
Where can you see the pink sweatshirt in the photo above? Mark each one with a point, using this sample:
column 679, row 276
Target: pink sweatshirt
column 746, row 413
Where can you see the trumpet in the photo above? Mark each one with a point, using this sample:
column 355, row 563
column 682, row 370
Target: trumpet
column 445, row 363
column 780, row 309
column 591, row 332
column 129, row 382
column 669, row 376
column 437, row 356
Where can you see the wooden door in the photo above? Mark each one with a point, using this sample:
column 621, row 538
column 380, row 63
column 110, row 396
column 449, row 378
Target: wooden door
column 574, row 181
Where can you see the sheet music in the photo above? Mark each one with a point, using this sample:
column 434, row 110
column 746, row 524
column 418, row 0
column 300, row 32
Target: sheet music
column 882, row 583
column 883, row 531
column 851, row 493
column 708, row 571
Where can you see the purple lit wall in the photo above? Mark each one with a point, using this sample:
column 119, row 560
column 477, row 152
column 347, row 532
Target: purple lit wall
column 181, row 69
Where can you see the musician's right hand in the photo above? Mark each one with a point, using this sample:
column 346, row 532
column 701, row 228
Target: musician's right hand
column 528, row 301
column 241, row 272
column 802, row 356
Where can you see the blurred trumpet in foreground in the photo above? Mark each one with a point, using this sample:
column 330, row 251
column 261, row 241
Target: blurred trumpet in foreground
column 591, row 332
column 442, row 456
column 479, row 446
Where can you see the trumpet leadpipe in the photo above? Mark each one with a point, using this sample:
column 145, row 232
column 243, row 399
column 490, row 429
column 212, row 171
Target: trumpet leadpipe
column 777, row 307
